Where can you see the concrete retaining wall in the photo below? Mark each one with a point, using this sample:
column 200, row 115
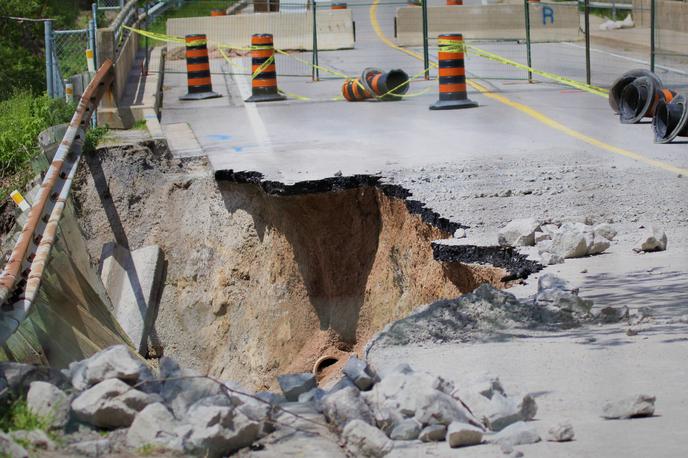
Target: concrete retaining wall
column 293, row 30
column 671, row 15
column 549, row 22
column 123, row 56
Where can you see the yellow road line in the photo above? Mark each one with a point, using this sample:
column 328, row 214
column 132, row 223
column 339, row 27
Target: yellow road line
column 533, row 113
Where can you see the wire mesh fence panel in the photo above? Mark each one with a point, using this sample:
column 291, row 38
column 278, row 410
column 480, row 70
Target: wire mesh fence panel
column 70, row 52
column 110, row 4
column 671, row 43
column 229, row 26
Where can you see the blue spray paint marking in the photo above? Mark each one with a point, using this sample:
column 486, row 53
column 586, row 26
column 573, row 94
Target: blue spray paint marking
column 547, row 12
column 219, row 137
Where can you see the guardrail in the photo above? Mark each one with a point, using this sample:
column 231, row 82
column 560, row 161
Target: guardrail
column 21, row 276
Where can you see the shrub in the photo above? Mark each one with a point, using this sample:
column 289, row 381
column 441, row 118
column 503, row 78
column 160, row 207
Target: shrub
column 22, row 117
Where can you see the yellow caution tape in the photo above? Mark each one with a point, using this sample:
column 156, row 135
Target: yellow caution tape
column 445, row 46
column 453, row 46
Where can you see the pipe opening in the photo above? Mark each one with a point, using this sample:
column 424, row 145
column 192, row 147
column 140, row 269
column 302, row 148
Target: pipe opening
column 323, row 363
column 396, row 80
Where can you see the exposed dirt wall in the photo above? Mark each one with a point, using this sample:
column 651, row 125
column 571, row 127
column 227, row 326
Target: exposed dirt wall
column 259, row 284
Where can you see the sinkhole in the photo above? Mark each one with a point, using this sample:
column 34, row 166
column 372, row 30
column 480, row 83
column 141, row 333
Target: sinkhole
column 264, row 278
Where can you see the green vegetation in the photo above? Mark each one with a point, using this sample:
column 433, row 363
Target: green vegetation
column 22, row 118
column 93, row 136
column 22, row 42
column 18, row 417
column 148, row 449
column 140, row 125
column 189, row 9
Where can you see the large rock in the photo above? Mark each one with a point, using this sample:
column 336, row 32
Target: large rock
column 92, row 448
column 133, row 281
column 569, row 242
column 519, row 232
column 10, row 448
column 359, row 373
column 155, row 425
column 217, row 430
column 406, row 430
column 597, row 244
column 18, row 377
column 651, row 239
column 364, row 440
column 562, row 432
column 181, row 388
column 416, row 395
column 433, row 433
column 604, row 230
column 36, row 438
column 344, row 406
column 293, row 385
column 504, row 411
column 48, row 401
column 641, row 405
column 462, row 435
column 114, row 362
column 518, row 433
column 553, row 291
column 111, row 404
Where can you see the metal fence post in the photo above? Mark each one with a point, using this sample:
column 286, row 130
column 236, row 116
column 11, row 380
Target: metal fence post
column 652, row 35
column 48, row 27
column 121, row 4
column 315, row 74
column 586, row 15
column 94, row 13
column 426, row 53
column 526, row 8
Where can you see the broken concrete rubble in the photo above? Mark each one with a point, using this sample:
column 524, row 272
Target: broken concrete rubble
column 406, row 430
column 561, row 432
column 519, row 433
column 641, row 405
column 362, row 439
column 113, row 362
column 462, row 435
column 433, row 433
column 359, row 373
column 48, row 401
column 519, row 232
column 11, row 448
column 111, row 404
column 344, row 406
column 652, row 238
column 294, row 385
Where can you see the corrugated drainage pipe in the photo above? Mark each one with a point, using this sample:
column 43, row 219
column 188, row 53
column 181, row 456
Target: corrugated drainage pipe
column 391, row 85
column 627, row 78
column 671, row 119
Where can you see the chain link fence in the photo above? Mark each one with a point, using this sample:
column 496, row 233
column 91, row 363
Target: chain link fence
column 110, row 4
column 670, row 48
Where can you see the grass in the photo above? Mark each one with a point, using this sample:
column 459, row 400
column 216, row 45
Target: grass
column 19, row 417
column 189, row 9
column 140, row 125
column 148, row 449
column 93, row 136
column 22, row 117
